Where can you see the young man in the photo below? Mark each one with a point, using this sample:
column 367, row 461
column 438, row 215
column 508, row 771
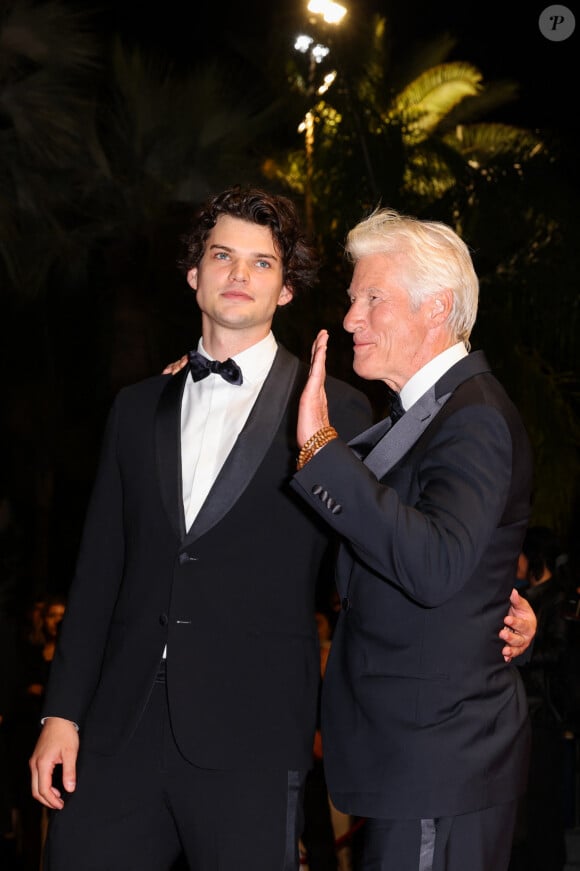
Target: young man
column 189, row 654
column 424, row 726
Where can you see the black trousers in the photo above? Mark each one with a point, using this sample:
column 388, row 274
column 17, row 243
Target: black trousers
column 318, row 835
column 145, row 807
column 479, row 841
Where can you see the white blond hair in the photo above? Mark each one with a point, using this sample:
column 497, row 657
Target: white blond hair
column 438, row 259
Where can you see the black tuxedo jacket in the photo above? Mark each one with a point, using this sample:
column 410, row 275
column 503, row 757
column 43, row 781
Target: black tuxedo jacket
column 233, row 597
column 421, row 716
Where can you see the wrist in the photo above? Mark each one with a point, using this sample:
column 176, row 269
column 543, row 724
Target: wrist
column 321, row 437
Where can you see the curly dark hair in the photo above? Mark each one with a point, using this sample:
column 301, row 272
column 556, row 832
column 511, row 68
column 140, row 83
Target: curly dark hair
column 299, row 258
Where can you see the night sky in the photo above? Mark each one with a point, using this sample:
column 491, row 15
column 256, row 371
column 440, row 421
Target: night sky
column 503, row 39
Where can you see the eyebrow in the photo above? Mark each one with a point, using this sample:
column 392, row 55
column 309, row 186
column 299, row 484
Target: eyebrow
column 257, row 254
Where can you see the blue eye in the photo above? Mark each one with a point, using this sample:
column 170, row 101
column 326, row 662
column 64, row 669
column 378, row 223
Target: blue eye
column 264, row 263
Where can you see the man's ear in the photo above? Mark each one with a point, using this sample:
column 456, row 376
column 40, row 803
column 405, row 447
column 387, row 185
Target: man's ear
column 440, row 307
column 286, row 295
column 192, row 278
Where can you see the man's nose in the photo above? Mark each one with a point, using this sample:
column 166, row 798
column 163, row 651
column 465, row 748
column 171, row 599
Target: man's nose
column 239, row 271
column 353, row 318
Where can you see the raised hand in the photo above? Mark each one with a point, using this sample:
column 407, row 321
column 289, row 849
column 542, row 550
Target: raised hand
column 313, row 408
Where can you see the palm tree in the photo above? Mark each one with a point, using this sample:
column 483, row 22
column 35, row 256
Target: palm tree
column 415, row 138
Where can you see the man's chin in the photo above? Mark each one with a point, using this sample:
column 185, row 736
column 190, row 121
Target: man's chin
column 362, row 369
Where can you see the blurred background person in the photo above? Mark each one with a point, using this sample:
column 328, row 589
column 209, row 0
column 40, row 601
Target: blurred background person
column 539, row 842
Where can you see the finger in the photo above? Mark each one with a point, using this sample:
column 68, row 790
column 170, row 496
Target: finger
column 318, row 362
column 69, row 774
column 43, row 790
column 515, row 625
column 34, row 781
column 509, row 652
column 176, row 366
column 319, row 346
column 512, row 636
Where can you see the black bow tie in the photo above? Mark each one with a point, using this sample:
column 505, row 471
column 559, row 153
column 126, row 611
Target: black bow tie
column 200, row 367
column 397, row 410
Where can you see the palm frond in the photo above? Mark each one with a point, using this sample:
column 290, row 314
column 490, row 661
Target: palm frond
column 486, row 143
column 422, row 55
column 430, row 97
column 494, row 95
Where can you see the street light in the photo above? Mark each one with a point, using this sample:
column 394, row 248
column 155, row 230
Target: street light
column 332, row 13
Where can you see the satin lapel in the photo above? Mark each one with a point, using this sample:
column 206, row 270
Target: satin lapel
column 389, row 446
column 168, row 449
column 251, row 445
column 365, row 441
column 398, row 440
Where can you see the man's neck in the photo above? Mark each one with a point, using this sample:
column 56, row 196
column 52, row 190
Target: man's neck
column 430, row 372
column 223, row 343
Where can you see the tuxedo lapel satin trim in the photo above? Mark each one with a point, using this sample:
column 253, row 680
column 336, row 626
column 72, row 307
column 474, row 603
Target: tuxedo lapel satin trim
column 168, row 449
column 400, row 438
column 391, row 444
column 365, row 441
column 250, row 446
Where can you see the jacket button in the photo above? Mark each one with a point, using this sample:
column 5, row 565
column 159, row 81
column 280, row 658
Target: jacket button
column 345, row 604
column 163, row 619
column 316, row 490
column 186, row 558
column 336, row 508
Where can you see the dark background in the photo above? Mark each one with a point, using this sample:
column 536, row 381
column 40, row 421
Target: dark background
column 502, row 39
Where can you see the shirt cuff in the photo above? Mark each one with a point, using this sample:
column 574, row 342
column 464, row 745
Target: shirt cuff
column 44, row 719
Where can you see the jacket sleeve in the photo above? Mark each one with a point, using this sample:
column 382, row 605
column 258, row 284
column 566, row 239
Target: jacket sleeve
column 76, row 665
column 459, row 484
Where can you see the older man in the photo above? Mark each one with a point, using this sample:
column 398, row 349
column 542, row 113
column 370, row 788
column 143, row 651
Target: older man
column 425, row 725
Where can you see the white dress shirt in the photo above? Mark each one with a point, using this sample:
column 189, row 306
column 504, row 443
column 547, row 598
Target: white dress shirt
column 213, row 413
column 431, row 372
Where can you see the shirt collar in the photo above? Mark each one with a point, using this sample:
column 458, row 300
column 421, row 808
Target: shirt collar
column 430, row 373
column 256, row 361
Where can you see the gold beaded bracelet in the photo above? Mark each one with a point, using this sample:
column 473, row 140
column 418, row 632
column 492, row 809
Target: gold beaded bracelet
column 320, row 438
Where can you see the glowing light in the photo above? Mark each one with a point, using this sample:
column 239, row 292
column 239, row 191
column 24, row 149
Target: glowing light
column 327, row 82
column 332, row 12
column 319, row 52
column 303, row 43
